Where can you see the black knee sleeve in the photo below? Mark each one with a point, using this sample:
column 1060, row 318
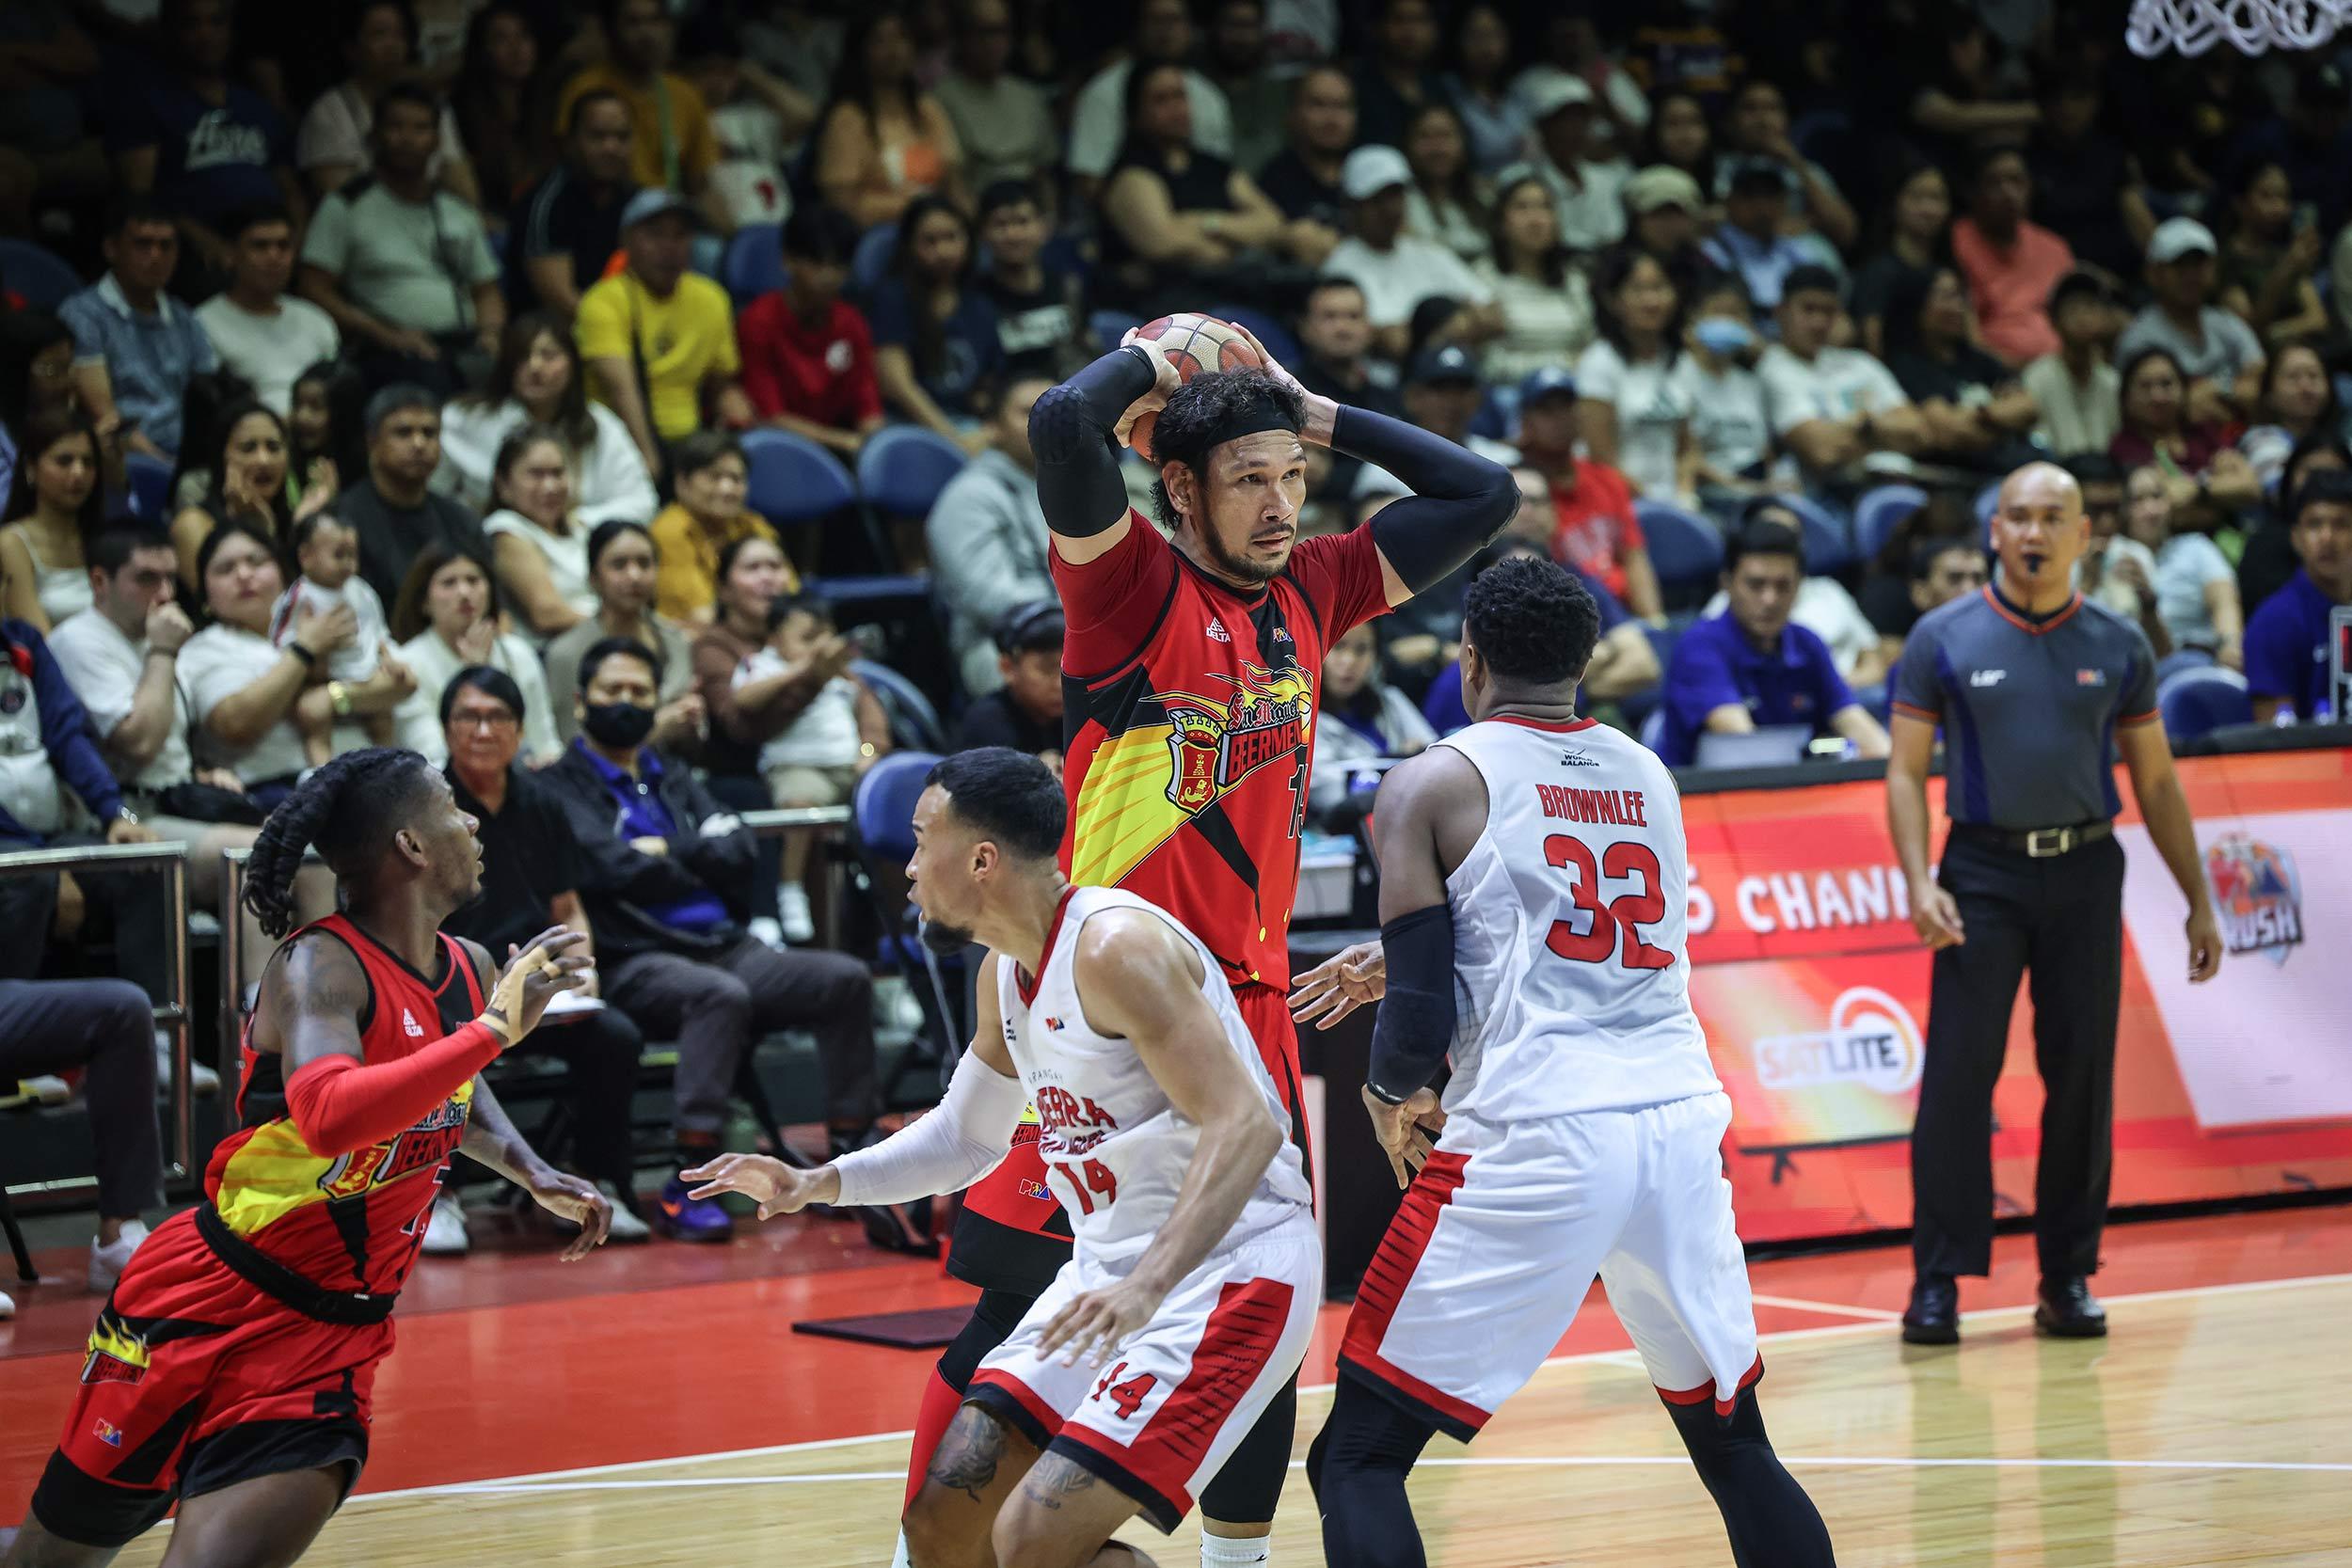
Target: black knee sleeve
column 1771, row 1523
column 1245, row 1490
column 991, row 1322
column 1358, row 1467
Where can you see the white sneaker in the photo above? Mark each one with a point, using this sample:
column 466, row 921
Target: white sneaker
column 767, row 931
column 107, row 1262
column 201, row 1079
column 793, row 913
column 47, row 1089
column 627, row 1227
column 445, row 1232
column 7, row 1306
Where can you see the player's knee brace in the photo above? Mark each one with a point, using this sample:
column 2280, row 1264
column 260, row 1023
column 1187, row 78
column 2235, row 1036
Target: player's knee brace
column 1767, row 1514
column 992, row 1321
column 1247, row 1488
column 1356, row 1467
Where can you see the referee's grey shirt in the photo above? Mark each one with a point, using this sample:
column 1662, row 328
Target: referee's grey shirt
column 2029, row 706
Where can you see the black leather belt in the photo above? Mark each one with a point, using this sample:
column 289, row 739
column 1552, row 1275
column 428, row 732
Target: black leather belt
column 2035, row 842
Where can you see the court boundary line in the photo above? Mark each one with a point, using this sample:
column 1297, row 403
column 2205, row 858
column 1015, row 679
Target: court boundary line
column 1829, row 1308
column 1787, row 1336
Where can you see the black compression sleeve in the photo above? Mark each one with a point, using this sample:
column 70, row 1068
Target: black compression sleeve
column 1460, row 500
column 1077, row 457
column 1415, row 1025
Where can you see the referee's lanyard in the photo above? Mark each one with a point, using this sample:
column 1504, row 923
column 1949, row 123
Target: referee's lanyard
column 669, row 141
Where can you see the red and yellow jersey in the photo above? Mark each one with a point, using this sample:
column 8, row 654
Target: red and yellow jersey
column 348, row 1223
column 1190, row 709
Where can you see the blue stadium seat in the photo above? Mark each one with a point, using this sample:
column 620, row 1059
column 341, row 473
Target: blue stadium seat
column 37, row 273
column 1654, row 728
column 1828, row 549
column 914, row 722
column 2182, row 658
column 1684, row 548
column 870, row 262
column 1105, row 327
column 1880, row 512
column 794, row 480
column 754, row 266
column 2200, row 700
column 882, row 808
column 1268, row 331
column 902, row 467
column 150, row 479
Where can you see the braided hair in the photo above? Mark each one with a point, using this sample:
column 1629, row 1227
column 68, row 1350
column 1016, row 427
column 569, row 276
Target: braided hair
column 350, row 808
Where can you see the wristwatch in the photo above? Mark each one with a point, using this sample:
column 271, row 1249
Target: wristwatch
column 339, row 696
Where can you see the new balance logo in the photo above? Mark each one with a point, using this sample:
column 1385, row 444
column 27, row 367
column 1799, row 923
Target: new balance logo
column 1216, row 631
column 1987, row 677
column 409, row 1025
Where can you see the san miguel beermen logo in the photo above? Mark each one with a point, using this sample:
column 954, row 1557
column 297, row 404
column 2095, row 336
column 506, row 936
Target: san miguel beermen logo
column 1870, row 1040
column 1213, row 745
column 2258, row 895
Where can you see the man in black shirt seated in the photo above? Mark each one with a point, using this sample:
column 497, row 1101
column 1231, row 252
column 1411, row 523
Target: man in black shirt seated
column 530, row 881
column 666, row 871
column 1025, row 714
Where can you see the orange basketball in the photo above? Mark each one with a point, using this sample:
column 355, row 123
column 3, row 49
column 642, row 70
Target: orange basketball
column 1196, row 343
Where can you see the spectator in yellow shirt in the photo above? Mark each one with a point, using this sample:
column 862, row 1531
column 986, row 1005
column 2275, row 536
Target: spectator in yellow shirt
column 709, row 515
column 658, row 340
column 672, row 145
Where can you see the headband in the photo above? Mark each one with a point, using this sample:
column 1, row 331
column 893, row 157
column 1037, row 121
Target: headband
column 1254, row 415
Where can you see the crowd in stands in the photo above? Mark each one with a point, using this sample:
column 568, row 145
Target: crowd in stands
column 423, row 359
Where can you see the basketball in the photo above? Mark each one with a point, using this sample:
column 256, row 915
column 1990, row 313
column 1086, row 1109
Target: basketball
column 1193, row 343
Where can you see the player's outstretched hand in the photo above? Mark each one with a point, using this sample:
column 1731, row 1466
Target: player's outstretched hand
column 1340, row 984
column 776, row 1187
column 533, row 976
column 568, row 1197
column 1098, row 1322
column 1408, row 1132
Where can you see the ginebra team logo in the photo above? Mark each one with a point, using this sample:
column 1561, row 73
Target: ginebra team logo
column 2258, row 894
column 1870, row 1041
column 1213, row 745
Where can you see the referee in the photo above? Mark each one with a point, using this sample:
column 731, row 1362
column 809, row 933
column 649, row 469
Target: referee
column 2028, row 682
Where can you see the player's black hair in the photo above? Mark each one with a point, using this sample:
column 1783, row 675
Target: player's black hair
column 1010, row 797
column 617, row 647
column 122, row 537
column 586, row 101
column 412, row 94
column 1761, row 535
column 1532, row 620
column 240, row 224
column 349, row 808
column 401, row 397
column 1810, row 277
column 496, row 685
column 1929, row 551
column 698, row 451
column 2324, row 485
column 1005, row 193
column 307, row 528
column 733, row 549
column 610, row 532
column 1203, row 411
column 816, row 232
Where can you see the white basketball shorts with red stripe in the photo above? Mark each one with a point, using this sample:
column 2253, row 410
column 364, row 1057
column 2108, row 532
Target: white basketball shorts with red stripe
column 1485, row 1266
column 1160, row 1414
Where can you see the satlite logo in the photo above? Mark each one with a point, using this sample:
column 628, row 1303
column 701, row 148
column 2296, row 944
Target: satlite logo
column 2258, row 894
column 1870, row 1040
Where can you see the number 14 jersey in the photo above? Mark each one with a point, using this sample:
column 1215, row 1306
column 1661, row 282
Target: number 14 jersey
column 1570, row 944
column 1115, row 1148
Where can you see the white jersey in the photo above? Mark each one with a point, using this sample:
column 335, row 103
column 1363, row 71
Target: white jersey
column 1569, row 929
column 1115, row 1149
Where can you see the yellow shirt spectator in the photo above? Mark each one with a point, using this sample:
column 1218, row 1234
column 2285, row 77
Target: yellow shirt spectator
column 672, row 145
column 686, row 584
column 685, row 340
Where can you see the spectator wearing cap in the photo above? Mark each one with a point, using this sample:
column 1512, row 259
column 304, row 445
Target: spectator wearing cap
column 988, row 537
column 136, row 348
column 672, row 145
column 404, row 268
column 1442, row 394
column 1752, row 667
column 1303, row 179
column 2076, row 385
column 1833, row 408
column 1587, row 183
column 1024, row 710
column 1003, row 122
column 1593, row 525
column 658, row 340
column 2286, row 641
column 1546, row 306
column 1039, row 329
column 1664, row 206
column 1098, row 119
column 1397, row 271
column 2009, row 263
column 2220, row 353
column 1399, row 72
column 567, row 227
column 1755, row 241
column 808, row 355
column 1758, row 128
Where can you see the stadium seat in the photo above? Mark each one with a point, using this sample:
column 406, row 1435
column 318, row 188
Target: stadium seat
column 2182, row 658
column 794, row 480
column 37, row 273
column 1267, row 330
column 1828, row 547
column 881, row 821
column 914, row 722
column 1105, row 327
column 754, row 266
column 1684, row 548
column 1988, row 501
column 870, row 262
column 1880, row 512
column 1654, row 728
column 151, row 486
column 901, row 469
column 2198, row 700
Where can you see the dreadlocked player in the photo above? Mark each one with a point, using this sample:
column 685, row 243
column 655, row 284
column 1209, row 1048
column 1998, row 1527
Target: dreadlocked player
column 232, row 1366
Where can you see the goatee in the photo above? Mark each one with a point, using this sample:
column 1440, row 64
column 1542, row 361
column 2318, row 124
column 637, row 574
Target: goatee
column 945, row 941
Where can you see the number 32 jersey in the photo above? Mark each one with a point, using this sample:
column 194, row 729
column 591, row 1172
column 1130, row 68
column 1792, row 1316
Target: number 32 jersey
column 1570, row 939
column 1115, row 1148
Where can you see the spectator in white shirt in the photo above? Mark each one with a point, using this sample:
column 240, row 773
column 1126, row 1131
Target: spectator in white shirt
column 1730, row 424
column 1442, row 202
column 1633, row 408
column 1097, row 117
column 2196, row 588
column 2078, row 389
column 539, row 547
column 1397, row 271
column 1546, row 308
column 538, row 380
column 1832, row 407
column 266, row 337
column 1585, row 186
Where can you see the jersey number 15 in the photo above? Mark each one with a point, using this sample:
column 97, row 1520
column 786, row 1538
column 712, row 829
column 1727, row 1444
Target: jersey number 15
column 1625, row 912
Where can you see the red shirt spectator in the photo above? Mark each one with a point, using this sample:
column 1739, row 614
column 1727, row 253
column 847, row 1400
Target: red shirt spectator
column 2009, row 263
column 1594, row 528
column 805, row 375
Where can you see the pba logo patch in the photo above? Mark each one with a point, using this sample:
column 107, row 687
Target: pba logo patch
column 107, row 1433
column 1054, row 1024
column 1036, row 1190
column 1870, row 1041
column 2090, row 677
column 2258, row 895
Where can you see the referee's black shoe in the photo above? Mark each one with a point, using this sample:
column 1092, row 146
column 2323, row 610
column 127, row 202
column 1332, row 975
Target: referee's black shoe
column 1934, row 1316
column 2065, row 1308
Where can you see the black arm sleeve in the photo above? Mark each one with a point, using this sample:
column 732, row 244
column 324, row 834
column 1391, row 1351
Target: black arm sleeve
column 1460, row 500
column 1077, row 460
column 1414, row 1027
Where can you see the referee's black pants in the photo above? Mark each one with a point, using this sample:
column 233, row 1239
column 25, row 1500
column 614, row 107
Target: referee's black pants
column 2061, row 920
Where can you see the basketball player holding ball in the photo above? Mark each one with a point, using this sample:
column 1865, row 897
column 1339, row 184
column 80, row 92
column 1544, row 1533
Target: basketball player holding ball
column 1188, row 675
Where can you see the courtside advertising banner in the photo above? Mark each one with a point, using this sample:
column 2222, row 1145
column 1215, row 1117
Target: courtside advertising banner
column 1814, row 992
